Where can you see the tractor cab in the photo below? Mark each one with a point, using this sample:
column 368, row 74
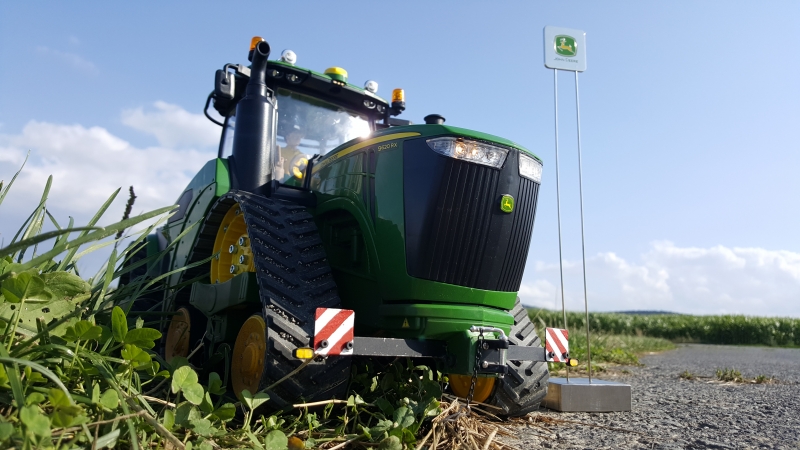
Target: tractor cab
column 314, row 113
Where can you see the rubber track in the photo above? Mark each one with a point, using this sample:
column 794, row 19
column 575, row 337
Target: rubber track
column 294, row 280
column 525, row 385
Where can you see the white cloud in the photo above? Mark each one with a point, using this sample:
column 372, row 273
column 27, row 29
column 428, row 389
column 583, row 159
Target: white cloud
column 77, row 62
column 173, row 126
column 715, row 280
column 88, row 164
column 540, row 293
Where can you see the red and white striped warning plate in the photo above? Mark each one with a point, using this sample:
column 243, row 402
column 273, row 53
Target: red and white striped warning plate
column 333, row 331
column 556, row 344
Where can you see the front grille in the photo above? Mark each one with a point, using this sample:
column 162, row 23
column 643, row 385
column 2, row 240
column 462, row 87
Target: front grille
column 514, row 265
column 455, row 230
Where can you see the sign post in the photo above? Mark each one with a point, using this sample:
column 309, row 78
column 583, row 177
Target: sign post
column 565, row 49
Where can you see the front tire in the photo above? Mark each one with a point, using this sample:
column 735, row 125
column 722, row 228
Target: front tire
column 523, row 388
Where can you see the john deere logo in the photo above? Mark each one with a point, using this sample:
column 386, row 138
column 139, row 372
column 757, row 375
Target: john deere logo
column 507, row 203
column 565, row 45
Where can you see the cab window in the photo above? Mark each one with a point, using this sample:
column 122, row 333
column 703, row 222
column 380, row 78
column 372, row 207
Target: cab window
column 308, row 126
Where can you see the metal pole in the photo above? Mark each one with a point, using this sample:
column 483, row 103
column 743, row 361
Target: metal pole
column 558, row 209
column 583, row 240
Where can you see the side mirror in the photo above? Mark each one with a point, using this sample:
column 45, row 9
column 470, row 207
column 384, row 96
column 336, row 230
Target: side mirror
column 224, row 84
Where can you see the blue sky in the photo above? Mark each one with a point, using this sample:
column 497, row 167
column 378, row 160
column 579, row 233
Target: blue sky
column 689, row 112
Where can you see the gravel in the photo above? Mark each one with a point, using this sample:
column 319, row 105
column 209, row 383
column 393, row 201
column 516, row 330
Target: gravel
column 674, row 413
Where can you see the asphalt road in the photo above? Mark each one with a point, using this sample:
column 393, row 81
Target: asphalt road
column 673, row 413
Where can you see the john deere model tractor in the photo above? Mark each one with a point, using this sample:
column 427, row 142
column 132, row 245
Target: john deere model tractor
column 328, row 229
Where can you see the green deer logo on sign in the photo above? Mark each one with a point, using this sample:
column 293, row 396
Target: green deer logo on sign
column 565, row 45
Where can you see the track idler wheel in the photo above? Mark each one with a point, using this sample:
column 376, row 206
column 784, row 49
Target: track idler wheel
column 249, row 352
column 184, row 333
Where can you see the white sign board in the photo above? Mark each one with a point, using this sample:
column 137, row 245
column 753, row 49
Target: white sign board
column 564, row 49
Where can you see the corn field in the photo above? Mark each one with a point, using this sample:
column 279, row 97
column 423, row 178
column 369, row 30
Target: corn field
column 724, row 329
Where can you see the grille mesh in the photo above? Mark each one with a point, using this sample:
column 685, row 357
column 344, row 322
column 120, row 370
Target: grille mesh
column 460, row 247
column 517, row 254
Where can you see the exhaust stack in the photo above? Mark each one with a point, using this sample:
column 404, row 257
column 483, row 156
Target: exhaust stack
column 254, row 138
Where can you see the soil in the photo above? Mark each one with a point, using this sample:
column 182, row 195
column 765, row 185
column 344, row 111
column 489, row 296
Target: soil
column 670, row 412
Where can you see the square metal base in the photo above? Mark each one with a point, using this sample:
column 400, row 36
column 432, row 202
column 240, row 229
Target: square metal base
column 578, row 395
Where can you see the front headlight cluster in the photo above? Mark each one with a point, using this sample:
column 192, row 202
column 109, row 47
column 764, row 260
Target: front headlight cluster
column 473, row 151
column 530, row 168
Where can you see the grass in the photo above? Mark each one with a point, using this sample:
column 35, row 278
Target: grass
column 725, row 329
column 608, row 349
column 762, row 379
column 735, row 376
column 729, row 375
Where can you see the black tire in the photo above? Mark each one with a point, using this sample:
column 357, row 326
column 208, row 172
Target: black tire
column 294, row 280
column 525, row 385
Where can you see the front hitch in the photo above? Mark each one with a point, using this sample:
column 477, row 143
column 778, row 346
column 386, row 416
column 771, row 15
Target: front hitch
column 490, row 355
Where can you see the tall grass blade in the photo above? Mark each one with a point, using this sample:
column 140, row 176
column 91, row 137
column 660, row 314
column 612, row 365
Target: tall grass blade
column 112, row 262
column 38, row 221
column 41, row 369
column 68, row 258
column 3, row 192
column 13, row 248
column 16, row 384
column 93, row 236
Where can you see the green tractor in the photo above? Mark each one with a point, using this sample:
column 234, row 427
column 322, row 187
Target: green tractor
column 322, row 203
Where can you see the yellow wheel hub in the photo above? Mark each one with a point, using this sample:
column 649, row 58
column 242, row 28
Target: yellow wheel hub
column 483, row 386
column 231, row 248
column 249, row 352
column 178, row 335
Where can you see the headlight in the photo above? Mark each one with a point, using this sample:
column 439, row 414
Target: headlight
column 530, row 168
column 473, row 151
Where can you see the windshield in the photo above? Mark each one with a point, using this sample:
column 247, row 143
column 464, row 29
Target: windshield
column 308, row 126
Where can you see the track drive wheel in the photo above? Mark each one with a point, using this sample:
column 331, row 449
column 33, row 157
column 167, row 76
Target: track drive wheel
column 525, row 385
column 280, row 242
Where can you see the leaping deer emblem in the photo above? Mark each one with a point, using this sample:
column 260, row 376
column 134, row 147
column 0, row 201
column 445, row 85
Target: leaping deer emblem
column 564, row 46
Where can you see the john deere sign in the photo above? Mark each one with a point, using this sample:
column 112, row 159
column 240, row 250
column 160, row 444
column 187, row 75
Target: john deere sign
column 564, row 49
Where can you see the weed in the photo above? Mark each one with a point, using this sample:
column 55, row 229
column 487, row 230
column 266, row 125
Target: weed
column 762, row 379
column 686, row 375
column 729, row 375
